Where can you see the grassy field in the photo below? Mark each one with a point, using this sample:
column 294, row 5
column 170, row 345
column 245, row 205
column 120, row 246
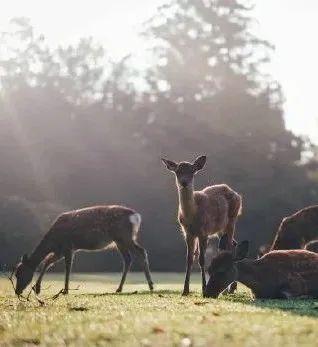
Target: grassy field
column 94, row 315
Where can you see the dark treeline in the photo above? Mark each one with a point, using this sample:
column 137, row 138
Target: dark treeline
column 76, row 129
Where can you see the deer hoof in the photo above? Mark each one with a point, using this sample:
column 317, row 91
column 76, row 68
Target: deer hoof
column 118, row 290
column 37, row 288
column 62, row 291
column 185, row 293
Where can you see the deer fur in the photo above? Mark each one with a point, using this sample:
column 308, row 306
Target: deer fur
column 297, row 230
column 92, row 228
column 281, row 274
column 312, row 246
column 203, row 213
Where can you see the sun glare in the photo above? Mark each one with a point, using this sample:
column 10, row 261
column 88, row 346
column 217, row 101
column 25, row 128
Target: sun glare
column 117, row 24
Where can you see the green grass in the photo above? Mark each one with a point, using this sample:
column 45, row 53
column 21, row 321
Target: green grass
column 94, row 315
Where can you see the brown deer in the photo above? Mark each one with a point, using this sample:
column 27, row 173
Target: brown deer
column 282, row 274
column 203, row 213
column 298, row 229
column 312, row 246
column 90, row 229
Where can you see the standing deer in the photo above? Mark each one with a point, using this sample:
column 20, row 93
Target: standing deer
column 282, row 274
column 91, row 229
column 203, row 213
column 298, row 229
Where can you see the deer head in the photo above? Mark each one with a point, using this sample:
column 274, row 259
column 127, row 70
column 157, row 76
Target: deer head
column 185, row 171
column 24, row 274
column 223, row 270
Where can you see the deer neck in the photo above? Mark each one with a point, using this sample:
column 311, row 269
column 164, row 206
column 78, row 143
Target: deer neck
column 247, row 273
column 187, row 205
column 40, row 252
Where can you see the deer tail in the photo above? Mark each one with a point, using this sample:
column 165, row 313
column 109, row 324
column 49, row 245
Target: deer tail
column 135, row 220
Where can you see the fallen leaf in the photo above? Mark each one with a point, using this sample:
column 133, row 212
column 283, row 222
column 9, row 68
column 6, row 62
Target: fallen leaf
column 158, row 330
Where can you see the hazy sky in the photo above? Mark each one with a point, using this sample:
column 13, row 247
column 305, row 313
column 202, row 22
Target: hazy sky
column 291, row 25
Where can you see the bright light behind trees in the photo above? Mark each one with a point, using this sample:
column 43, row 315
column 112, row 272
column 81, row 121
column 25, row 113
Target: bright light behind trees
column 288, row 24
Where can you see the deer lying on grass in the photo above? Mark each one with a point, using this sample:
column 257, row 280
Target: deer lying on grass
column 297, row 230
column 91, row 229
column 280, row 274
column 203, row 213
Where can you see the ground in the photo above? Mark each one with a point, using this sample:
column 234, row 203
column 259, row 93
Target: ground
column 95, row 315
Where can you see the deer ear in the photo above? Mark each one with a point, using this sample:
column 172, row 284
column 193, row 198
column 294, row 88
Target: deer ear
column 24, row 259
column 241, row 250
column 170, row 165
column 199, row 163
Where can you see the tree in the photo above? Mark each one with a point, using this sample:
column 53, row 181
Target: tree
column 211, row 96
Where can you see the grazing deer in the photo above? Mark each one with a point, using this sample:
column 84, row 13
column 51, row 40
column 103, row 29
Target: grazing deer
column 282, row 274
column 312, row 246
column 90, row 229
column 297, row 230
column 203, row 213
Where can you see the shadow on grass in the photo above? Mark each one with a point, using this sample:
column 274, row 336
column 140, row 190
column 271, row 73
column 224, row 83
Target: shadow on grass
column 300, row 307
column 161, row 292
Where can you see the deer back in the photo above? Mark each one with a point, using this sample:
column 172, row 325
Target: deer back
column 298, row 229
column 291, row 270
column 93, row 227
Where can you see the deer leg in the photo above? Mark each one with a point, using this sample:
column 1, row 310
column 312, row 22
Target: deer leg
column 142, row 255
column 224, row 245
column 48, row 262
column 190, row 254
column 228, row 242
column 203, row 242
column 229, row 232
column 68, row 266
column 126, row 266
